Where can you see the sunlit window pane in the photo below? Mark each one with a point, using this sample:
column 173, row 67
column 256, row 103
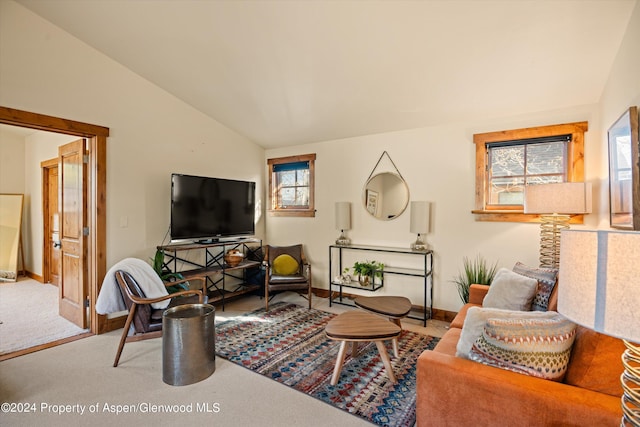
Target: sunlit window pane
column 507, row 191
column 513, row 165
column 545, row 158
column 287, row 178
column 302, row 196
column 303, row 177
column 293, row 188
column 287, row 196
column 545, row 179
column 507, row 161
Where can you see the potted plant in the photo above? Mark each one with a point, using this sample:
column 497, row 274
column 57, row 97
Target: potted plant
column 367, row 271
column 475, row 271
column 157, row 263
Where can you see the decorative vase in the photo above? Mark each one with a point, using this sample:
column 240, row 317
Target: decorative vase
column 364, row 280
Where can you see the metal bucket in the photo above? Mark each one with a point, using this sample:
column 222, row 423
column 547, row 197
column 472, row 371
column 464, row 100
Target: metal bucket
column 188, row 343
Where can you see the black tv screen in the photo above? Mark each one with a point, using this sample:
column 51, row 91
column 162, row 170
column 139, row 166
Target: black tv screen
column 209, row 208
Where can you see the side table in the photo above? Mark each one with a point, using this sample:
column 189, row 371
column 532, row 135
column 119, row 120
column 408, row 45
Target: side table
column 395, row 308
column 356, row 326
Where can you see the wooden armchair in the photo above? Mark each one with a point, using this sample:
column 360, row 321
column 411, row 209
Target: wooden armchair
column 147, row 321
column 287, row 269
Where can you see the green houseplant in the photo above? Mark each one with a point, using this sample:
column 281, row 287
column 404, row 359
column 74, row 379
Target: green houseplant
column 475, row 271
column 367, row 271
column 157, row 263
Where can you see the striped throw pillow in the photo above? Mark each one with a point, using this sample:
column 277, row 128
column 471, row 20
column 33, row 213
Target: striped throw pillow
column 536, row 347
column 546, row 277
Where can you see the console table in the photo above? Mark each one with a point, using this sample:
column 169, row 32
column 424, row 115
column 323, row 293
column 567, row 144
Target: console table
column 211, row 264
column 425, row 271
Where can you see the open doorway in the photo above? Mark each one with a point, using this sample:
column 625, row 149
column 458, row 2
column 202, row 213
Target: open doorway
column 30, row 315
column 50, row 222
column 93, row 227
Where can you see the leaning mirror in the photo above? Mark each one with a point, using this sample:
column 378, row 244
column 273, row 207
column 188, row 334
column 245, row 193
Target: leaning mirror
column 10, row 227
column 386, row 194
column 624, row 179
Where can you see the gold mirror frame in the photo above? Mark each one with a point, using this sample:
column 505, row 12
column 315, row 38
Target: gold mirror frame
column 624, row 175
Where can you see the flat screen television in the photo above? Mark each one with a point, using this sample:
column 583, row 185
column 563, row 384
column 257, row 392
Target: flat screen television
column 206, row 209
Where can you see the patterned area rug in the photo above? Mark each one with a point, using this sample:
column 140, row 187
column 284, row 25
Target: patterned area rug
column 288, row 344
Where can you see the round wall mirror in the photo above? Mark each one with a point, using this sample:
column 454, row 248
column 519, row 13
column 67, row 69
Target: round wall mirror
column 385, row 195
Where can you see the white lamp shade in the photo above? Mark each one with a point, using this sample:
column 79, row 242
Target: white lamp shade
column 343, row 215
column 559, row 198
column 598, row 281
column 419, row 217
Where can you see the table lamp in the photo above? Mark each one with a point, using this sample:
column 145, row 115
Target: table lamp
column 419, row 224
column 556, row 203
column 598, row 289
column 343, row 222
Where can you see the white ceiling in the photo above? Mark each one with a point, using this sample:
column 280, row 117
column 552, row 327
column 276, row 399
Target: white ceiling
column 293, row 72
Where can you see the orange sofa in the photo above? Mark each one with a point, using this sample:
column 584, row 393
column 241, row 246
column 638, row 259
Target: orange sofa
column 452, row 391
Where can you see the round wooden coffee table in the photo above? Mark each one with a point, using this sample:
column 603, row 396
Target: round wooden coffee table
column 356, row 326
column 395, row 308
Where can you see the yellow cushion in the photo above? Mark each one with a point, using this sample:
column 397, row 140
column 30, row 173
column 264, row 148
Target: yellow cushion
column 285, row 265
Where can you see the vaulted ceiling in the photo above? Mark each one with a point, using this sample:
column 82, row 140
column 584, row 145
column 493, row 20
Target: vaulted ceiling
column 293, row 72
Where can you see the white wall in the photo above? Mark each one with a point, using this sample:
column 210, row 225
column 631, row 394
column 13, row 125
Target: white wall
column 621, row 91
column 11, row 162
column 153, row 134
column 438, row 164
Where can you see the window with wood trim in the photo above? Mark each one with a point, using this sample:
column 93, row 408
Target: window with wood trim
column 507, row 161
column 291, row 185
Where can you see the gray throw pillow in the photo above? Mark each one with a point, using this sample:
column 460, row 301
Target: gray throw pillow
column 510, row 291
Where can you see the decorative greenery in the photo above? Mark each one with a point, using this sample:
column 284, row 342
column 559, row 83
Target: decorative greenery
column 367, row 269
column 167, row 276
column 475, row 271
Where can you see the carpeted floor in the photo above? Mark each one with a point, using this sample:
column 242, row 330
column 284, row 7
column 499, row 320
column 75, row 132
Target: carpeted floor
column 288, row 345
column 29, row 316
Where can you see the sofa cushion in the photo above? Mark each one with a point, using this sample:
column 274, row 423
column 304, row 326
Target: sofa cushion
column 458, row 321
column 546, row 277
column 448, row 342
column 510, row 291
column 478, row 316
column 596, row 362
column 536, row 347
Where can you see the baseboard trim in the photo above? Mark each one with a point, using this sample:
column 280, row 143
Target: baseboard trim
column 22, row 352
column 34, row 276
column 111, row 324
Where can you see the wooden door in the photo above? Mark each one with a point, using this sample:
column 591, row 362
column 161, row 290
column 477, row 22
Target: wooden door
column 72, row 223
column 51, row 244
